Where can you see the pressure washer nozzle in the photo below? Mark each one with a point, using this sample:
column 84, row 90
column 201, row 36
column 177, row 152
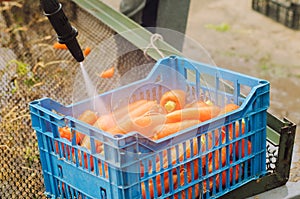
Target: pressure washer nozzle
column 66, row 34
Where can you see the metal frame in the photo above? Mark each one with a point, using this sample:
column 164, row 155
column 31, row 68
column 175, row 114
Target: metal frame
column 279, row 132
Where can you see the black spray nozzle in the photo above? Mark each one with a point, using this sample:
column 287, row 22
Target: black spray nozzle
column 66, row 34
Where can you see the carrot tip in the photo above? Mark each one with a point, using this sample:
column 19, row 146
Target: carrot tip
column 210, row 103
column 170, row 106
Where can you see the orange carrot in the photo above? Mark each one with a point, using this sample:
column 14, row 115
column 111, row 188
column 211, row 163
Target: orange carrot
column 87, row 144
column 134, row 109
column 170, row 128
column 87, row 51
column 65, row 132
column 118, row 130
column 57, row 45
column 173, row 100
column 146, row 108
column 125, row 124
column 145, row 124
column 105, row 122
column 120, row 112
column 201, row 113
column 88, row 117
column 199, row 103
column 109, row 73
column 231, row 170
column 228, row 108
column 159, row 183
column 243, row 151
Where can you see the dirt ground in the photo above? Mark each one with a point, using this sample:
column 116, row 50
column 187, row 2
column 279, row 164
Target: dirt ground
column 241, row 39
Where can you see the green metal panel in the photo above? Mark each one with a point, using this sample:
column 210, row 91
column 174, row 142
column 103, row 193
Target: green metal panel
column 121, row 24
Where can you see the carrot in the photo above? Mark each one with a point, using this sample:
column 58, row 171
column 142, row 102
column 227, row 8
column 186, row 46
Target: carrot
column 105, row 122
column 118, row 130
column 120, row 112
column 170, row 128
column 88, row 117
column 238, row 131
column 87, row 144
column 187, row 172
column 87, row 51
column 199, row 103
column 240, row 145
column 65, row 132
column 173, row 100
column 231, row 170
column 109, row 73
column 125, row 124
column 145, row 124
column 159, row 183
column 201, row 113
column 57, row 45
column 148, row 107
column 228, row 108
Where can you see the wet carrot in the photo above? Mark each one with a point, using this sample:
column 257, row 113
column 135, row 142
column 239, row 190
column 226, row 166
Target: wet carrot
column 173, row 100
column 171, row 128
column 57, row 45
column 228, row 108
column 87, row 144
column 65, row 132
column 121, row 112
column 109, row 73
column 199, row 103
column 87, row 51
column 145, row 124
column 146, row 108
column 118, row 130
column 88, row 117
column 125, row 124
column 201, row 113
column 105, row 122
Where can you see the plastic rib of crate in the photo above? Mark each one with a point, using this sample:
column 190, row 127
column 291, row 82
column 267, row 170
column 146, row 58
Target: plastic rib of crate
column 208, row 159
column 284, row 12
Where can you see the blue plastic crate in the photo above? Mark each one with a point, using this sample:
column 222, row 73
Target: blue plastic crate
column 125, row 166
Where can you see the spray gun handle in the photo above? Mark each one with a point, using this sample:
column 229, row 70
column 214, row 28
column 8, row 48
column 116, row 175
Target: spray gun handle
column 66, row 34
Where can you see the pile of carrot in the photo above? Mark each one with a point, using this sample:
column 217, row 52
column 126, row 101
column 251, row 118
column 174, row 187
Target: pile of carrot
column 158, row 119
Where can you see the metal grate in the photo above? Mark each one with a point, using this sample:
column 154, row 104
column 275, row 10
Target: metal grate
column 31, row 69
